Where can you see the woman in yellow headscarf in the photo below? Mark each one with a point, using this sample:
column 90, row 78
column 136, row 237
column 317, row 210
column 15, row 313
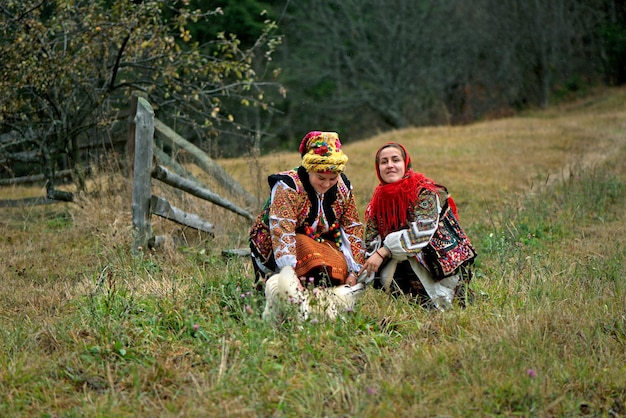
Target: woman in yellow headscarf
column 310, row 222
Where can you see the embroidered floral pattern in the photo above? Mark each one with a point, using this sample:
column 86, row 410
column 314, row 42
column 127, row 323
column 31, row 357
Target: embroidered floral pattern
column 449, row 248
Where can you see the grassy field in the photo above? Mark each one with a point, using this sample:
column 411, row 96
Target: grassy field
column 86, row 329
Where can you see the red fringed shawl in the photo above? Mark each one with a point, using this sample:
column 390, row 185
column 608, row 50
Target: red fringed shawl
column 391, row 202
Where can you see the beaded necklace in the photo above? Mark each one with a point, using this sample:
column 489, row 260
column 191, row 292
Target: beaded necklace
column 334, row 229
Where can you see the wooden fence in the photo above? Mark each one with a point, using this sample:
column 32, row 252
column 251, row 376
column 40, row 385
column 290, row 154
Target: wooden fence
column 142, row 150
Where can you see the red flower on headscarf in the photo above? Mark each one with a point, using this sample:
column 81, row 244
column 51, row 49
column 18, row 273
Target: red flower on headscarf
column 322, row 150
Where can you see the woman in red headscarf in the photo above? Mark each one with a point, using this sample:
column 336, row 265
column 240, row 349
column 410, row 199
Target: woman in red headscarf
column 415, row 244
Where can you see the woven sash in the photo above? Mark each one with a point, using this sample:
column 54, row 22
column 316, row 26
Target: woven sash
column 322, row 257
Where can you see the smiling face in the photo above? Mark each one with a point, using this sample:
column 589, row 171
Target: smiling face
column 391, row 164
column 322, row 182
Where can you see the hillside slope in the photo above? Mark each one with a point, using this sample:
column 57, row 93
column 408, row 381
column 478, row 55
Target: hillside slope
column 486, row 162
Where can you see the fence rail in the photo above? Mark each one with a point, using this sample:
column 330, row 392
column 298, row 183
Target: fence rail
column 144, row 169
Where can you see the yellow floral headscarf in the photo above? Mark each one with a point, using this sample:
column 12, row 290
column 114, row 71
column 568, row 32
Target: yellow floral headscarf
column 321, row 153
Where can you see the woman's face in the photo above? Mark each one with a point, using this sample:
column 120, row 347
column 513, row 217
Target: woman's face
column 322, row 182
column 391, row 164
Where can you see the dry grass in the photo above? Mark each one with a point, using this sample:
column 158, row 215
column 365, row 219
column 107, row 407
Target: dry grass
column 89, row 330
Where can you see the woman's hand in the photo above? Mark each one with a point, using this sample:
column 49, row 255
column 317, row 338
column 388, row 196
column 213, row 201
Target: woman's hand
column 351, row 279
column 373, row 263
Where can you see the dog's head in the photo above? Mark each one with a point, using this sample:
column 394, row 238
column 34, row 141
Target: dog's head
column 348, row 295
column 337, row 300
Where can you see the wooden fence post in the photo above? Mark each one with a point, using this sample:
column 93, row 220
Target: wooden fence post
column 130, row 144
column 142, row 175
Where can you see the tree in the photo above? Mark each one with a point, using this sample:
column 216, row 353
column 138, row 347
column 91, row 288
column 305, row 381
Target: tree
column 68, row 66
column 361, row 66
column 540, row 45
column 372, row 56
column 612, row 32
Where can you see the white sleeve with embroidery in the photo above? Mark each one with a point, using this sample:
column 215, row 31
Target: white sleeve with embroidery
column 409, row 242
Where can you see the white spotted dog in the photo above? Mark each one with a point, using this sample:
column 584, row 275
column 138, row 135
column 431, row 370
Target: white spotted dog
column 284, row 292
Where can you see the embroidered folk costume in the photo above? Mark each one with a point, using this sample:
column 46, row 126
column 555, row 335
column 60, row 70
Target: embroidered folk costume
column 318, row 234
column 412, row 224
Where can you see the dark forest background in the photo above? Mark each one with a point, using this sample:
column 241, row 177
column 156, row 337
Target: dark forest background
column 241, row 77
column 364, row 66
